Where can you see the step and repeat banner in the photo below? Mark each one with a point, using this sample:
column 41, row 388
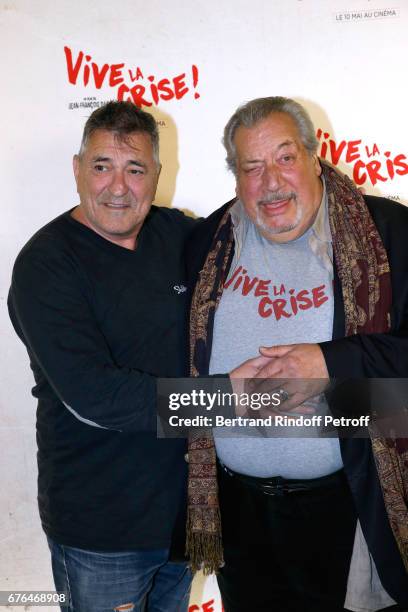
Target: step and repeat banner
column 190, row 64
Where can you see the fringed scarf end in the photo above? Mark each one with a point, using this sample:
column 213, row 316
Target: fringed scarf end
column 204, row 548
column 205, row 552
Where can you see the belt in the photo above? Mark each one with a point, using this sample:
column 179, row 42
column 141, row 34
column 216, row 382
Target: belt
column 279, row 486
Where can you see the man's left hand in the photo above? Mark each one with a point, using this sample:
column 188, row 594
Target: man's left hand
column 293, row 361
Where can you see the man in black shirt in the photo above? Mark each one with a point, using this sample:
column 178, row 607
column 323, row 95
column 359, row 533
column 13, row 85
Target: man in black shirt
column 97, row 297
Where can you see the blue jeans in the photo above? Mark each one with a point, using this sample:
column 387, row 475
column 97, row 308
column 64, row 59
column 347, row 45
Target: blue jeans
column 134, row 581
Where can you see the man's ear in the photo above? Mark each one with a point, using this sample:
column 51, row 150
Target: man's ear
column 157, row 181
column 316, row 165
column 237, row 189
column 75, row 166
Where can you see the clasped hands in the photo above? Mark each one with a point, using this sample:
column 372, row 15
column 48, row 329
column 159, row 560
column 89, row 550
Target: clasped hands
column 297, row 371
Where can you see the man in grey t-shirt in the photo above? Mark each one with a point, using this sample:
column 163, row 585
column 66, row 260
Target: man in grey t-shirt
column 288, row 265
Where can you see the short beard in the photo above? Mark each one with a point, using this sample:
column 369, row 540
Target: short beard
column 274, row 197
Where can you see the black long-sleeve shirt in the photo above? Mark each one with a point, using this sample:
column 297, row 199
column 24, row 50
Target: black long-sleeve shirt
column 100, row 323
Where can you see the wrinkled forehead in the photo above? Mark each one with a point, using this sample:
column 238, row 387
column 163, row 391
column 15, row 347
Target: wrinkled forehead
column 276, row 128
column 101, row 138
column 107, row 143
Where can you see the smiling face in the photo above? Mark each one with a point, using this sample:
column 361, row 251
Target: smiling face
column 116, row 182
column 277, row 178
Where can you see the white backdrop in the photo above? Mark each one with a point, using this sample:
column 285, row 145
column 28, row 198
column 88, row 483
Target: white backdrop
column 345, row 60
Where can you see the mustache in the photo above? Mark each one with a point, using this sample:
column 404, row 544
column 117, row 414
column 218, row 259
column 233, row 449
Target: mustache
column 276, row 196
column 108, row 198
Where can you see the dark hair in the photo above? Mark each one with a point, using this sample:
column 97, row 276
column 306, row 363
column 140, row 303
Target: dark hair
column 122, row 118
column 256, row 110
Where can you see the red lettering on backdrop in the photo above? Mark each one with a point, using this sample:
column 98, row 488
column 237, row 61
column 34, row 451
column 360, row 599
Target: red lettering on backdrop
column 375, row 151
column 336, row 152
column 208, row 606
column 180, row 88
column 358, row 178
column 99, row 75
column 373, row 171
column 165, row 89
column 390, row 166
column 73, row 69
column 116, row 76
column 352, row 151
column 403, row 167
column 113, row 75
column 136, row 95
column 194, row 70
column 138, row 74
column 383, row 168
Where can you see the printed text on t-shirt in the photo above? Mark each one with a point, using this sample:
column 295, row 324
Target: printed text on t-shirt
column 275, row 299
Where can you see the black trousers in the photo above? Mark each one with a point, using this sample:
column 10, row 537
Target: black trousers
column 285, row 553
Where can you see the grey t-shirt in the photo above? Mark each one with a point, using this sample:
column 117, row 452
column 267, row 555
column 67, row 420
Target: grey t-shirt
column 275, row 294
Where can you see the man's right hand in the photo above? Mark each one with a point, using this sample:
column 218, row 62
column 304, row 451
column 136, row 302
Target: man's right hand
column 252, row 369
